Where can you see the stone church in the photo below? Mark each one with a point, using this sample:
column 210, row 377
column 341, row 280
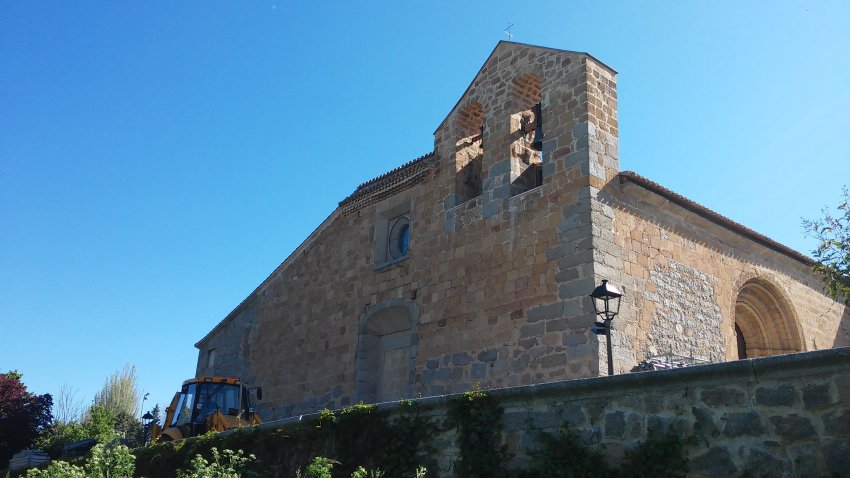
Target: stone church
column 473, row 263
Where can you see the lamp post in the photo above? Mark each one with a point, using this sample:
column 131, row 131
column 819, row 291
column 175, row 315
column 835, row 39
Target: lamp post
column 602, row 296
column 142, row 406
column 147, row 420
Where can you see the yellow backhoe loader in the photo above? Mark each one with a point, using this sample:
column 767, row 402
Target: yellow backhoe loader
column 207, row 404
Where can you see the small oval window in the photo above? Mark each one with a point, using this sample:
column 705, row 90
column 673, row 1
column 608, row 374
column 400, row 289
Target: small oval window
column 399, row 238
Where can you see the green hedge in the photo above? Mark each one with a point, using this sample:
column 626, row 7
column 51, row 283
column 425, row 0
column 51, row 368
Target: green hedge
column 357, row 436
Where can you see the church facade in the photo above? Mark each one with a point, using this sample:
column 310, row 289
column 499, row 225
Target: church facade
column 472, row 265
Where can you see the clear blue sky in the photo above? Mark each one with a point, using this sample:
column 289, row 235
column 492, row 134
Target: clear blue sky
column 159, row 159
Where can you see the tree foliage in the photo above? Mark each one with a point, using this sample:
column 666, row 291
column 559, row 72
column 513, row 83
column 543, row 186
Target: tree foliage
column 121, row 392
column 833, row 254
column 98, row 424
column 23, row 415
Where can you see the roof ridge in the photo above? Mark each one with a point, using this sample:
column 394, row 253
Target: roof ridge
column 713, row 216
column 394, row 170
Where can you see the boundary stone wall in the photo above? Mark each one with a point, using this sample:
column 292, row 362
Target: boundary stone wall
column 779, row 416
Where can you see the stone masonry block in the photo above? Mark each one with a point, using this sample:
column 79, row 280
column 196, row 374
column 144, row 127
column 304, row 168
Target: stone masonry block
column 488, row 355
column 546, row 312
column 556, row 325
column 577, row 306
column 479, row 370
column 449, row 201
column 615, row 425
column 461, row 359
column 763, row 464
column 532, row 330
column 573, row 415
column 580, row 257
column 491, row 208
column 704, row 424
column 501, row 192
column 716, row 462
column 739, row 424
column 723, row 396
column 793, row 427
column 561, row 250
column 580, row 232
column 554, row 360
column 816, row 395
column 571, row 339
column 566, row 275
column 545, row 419
column 499, row 168
column 780, row 396
column 449, row 223
column 837, row 423
column 576, row 288
column 836, row 454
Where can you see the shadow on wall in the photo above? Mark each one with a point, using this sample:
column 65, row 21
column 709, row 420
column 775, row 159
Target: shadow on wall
column 842, row 335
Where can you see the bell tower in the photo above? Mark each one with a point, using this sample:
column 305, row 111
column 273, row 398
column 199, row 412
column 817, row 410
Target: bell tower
column 538, row 126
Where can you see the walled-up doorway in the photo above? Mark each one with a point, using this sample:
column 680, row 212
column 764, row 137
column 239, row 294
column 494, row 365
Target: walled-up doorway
column 385, row 352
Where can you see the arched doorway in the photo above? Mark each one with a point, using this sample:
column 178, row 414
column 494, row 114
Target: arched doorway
column 386, row 352
column 764, row 321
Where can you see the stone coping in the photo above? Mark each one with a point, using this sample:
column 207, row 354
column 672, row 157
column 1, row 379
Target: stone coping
column 777, row 366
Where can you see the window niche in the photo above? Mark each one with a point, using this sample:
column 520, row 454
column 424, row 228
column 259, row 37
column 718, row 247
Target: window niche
column 392, row 235
column 526, row 157
column 469, row 152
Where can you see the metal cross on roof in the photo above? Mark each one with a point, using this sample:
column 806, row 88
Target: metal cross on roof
column 508, row 32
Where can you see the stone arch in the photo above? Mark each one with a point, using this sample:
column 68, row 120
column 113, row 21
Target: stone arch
column 386, row 352
column 765, row 321
column 469, row 152
column 526, row 162
column 527, row 91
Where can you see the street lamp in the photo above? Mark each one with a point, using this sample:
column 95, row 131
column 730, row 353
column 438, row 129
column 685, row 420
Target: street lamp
column 147, row 421
column 602, row 307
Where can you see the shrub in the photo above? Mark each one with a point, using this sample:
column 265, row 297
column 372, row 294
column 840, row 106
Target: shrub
column 660, row 456
column 565, row 455
column 110, row 462
column 227, row 464
column 478, row 419
column 57, row 469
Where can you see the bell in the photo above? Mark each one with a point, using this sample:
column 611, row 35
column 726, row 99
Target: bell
column 537, row 142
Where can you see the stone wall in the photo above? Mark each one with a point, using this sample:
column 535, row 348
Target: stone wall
column 778, row 416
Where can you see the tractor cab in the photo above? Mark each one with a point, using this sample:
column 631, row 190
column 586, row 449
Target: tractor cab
column 208, row 404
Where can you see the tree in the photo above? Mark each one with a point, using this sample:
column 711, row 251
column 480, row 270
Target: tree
column 120, row 393
column 100, row 424
column 157, row 415
column 23, row 415
column 833, row 254
column 66, row 407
